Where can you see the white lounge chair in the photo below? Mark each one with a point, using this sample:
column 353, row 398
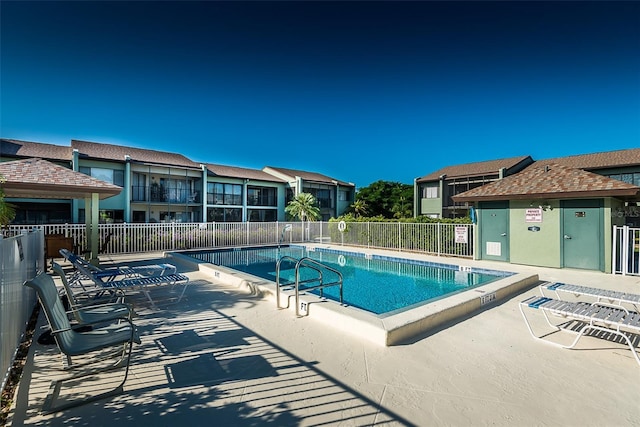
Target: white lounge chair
column 597, row 316
column 613, row 297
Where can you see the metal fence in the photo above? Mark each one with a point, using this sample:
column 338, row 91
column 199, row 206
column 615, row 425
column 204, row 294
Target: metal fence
column 430, row 238
column 21, row 258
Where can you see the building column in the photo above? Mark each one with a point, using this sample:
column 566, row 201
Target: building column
column 92, row 210
column 204, row 193
column 244, row 200
column 75, row 207
column 127, row 188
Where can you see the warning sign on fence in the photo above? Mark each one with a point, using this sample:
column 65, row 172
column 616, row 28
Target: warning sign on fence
column 462, row 234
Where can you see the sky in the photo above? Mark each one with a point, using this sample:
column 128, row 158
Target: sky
column 358, row 91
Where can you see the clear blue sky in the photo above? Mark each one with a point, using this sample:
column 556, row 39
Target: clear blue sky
column 360, row 91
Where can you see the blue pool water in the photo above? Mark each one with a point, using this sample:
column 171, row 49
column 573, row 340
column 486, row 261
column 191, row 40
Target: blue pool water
column 378, row 284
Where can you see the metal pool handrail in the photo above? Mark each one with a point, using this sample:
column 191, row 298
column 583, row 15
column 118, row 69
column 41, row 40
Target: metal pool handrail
column 314, row 265
column 283, row 258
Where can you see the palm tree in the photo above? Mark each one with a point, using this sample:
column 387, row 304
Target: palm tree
column 359, row 207
column 304, row 207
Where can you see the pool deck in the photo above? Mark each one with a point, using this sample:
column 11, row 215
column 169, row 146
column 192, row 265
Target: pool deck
column 225, row 355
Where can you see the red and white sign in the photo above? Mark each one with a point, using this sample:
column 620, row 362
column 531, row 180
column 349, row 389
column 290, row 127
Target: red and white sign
column 533, row 215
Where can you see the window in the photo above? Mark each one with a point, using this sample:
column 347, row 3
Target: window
column 139, row 216
column 224, row 215
column 629, row 177
column 262, row 215
column 343, row 195
column 430, row 192
column 224, row 194
column 105, row 216
column 111, row 176
column 324, row 194
column 261, row 196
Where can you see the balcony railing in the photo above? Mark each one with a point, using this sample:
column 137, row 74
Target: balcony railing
column 162, row 194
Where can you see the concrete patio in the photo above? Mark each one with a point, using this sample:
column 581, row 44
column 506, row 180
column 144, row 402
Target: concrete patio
column 223, row 356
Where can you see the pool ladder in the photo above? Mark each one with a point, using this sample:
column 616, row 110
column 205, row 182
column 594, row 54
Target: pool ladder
column 312, row 264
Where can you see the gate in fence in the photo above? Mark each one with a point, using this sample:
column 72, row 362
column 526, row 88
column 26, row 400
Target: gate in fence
column 626, row 250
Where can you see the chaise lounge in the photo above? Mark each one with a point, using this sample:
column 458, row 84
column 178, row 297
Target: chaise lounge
column 597, row 316
column 119, row 334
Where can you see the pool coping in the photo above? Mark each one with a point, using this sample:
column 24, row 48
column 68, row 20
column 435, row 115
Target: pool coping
column 387, row 330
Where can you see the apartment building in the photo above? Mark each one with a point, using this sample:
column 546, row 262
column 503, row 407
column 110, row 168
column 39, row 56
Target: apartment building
column 168, row 187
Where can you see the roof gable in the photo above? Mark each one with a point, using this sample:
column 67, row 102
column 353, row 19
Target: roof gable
column 490, row 167
column 41, row 179
column 22, row 149
column 238, row 172
column 308, row 176
column 549, row 181
column 608, row 159
column 101, row 151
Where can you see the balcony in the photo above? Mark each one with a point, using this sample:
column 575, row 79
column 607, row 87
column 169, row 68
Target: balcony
column 162, row 194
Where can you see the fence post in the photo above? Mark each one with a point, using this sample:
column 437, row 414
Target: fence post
column 173, row 236
column 614, row 250
column 625, row 250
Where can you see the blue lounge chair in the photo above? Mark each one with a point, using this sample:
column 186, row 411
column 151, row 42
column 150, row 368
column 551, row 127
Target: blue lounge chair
column 119, row 335
column 87, row 307
column 106, row 282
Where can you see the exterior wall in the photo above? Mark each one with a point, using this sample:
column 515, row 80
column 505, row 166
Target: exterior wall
column 343, row 205
column 115, row 202
column 282, row 203
column 540, row 248
column 430, row 207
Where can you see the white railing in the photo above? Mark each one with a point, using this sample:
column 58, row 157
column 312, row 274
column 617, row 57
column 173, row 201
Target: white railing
column 21, row 258
column 431, row 238
column 626, row 250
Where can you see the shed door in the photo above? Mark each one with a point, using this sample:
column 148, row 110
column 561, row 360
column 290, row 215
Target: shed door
column 494, row 228
column 582, row 234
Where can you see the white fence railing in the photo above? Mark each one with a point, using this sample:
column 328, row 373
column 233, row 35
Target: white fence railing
column 626, row 250
column 21, row 258
column 431, row 238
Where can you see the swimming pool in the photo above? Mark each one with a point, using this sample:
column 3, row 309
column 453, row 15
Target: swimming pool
column 382, row 285
column 229, row 267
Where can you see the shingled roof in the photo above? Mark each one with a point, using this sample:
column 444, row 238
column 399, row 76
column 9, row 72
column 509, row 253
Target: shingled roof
column 490, row 167
column 244, row 173
column 101, row 151
column 549, row 181
column 12, row 148
column 41, row 179
column 594, row 161
column 308, row 176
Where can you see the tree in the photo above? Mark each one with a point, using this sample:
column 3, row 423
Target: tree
column 304, row 207
column 359, row 207
column 402, row 208
column 388, row 199
column 7, row 210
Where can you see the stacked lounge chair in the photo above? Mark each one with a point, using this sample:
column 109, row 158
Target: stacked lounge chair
column 608, row 317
